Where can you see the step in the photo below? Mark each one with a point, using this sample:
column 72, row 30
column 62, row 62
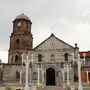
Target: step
column 50, row 88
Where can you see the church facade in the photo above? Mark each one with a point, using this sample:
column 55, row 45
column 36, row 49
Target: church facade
column 52, row 62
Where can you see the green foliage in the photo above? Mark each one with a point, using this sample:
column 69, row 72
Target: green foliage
column 8, row 88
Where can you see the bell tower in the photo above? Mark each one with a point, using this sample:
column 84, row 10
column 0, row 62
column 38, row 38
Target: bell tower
column 21, row 39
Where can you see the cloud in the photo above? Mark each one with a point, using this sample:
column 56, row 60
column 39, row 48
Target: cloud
column 70, row 20
column 4, row 56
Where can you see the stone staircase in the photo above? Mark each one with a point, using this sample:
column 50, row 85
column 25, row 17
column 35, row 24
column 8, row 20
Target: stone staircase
column 49, row 88
column 42, row 87
column 58, row 88
column 86, row 88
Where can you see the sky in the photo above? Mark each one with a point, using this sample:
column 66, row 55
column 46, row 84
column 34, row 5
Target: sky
column 69, row 20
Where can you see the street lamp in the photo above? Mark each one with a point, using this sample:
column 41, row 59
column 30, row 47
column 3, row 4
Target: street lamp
column 26, row 58
column 79, row 61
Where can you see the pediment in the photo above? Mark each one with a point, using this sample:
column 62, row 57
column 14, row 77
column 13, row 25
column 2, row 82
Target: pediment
column 53, row 42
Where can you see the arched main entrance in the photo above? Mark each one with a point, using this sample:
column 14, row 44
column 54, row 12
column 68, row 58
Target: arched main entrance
column 50, row 76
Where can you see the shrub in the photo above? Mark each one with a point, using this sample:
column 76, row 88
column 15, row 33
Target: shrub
column 8, row 88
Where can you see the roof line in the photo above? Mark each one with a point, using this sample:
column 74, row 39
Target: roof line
column 52, row 35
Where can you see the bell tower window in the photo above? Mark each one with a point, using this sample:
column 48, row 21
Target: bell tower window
column 17, row 43
column 16, row 58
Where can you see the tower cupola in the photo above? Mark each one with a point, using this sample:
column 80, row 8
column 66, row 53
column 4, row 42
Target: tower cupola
column 22, row 24
column 22, row 16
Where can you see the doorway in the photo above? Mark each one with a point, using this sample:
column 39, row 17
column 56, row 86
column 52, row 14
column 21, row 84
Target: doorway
column 50, row 76
column 89, row 76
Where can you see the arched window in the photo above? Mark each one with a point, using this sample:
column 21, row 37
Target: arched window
column 16, row 58
column 17, row 43
column 52, row 57
column 66, row 56
column 39, row 57
column 17, row 75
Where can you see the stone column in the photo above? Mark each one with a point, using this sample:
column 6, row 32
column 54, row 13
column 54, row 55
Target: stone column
column 63, row 75
column 68, row 83
column 30, row 76
column 42, row 71
column 87, row 77
column 26, row 83
column 38, row 75
column 20, row 77
column 79, row 74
